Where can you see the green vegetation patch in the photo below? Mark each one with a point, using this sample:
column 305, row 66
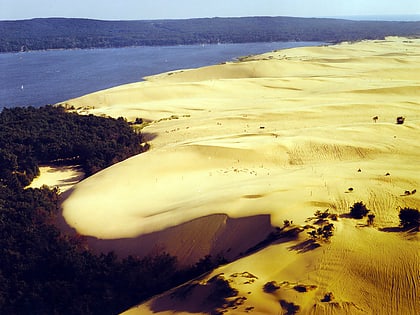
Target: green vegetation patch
column 49, row 135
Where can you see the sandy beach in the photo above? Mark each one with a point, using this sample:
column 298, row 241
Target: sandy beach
column 237, row 148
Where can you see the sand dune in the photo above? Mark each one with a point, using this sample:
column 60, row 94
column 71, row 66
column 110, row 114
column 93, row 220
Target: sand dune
column 361, row 282
column 190, row 241
column 282, row 135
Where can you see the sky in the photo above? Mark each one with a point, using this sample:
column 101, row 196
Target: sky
column 181, row 9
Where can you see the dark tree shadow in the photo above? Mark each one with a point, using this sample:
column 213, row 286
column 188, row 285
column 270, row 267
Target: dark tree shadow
column 392, row 229
column 228, row 244
column 148, row 136
column 305, row 246
column 278, row 236
column 210, row 297
column 399, row 229
column 72, row 180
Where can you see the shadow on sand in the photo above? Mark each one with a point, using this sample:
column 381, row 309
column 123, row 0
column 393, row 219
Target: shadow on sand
column 148, row 136
column 399, row 229
column 212, row 297
column 305, row 246
column 216, row 235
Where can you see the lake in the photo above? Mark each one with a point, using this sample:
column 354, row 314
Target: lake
column 38, row 78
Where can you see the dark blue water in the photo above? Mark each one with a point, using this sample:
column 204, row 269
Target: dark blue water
column 47, row 77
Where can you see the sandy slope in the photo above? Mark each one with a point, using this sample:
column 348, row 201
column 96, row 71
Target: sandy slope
column 360, row 267
column 280, row 135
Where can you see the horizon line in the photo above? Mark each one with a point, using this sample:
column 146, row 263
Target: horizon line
column 368, row 17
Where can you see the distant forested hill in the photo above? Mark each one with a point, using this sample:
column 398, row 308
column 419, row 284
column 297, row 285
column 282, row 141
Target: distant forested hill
column 62, row 33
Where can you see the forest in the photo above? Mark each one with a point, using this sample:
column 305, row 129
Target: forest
column 42, row 269
column 49, row 135
column 65, row 33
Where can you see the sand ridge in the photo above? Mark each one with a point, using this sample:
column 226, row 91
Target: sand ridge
column 281, row 134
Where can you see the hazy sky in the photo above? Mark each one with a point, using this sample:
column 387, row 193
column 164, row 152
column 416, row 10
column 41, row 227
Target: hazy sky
column 175, row 9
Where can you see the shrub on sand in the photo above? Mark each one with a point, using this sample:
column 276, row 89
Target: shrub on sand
column 271, row 287
column 409, row 218
column 400, row 120
column 371, row 218
column 358, row 210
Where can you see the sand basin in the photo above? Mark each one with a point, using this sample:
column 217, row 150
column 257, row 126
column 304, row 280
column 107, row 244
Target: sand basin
column 278, row 135
column 61, row 177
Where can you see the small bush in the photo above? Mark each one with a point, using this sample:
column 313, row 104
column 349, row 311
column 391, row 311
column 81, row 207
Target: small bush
column 322, row 215
column 328, row 297
column 322, row 233
column 289, row 307
column 371, row 218
column 358, row 210
column 400, row 120
column 409, row 218
column 300, row 288
column 271, row 287
column 334, row 216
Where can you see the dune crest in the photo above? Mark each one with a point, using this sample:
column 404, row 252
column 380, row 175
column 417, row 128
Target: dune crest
column 282, row 134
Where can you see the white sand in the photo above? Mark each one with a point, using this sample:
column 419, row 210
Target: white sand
column 62, row 177
column 282, row 134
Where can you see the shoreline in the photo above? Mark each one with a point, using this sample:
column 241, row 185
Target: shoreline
column 55, row 79
column 185, row 31
column 163, row 46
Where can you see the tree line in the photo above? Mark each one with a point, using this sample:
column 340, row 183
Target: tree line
column 63, row 33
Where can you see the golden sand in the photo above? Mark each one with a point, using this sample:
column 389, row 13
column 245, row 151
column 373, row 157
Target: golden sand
column 281, row 135
column 61, row 177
